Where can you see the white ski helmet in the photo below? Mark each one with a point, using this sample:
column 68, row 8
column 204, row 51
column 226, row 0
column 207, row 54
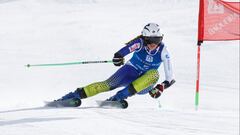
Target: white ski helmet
column 151, row 30
column 151, row 34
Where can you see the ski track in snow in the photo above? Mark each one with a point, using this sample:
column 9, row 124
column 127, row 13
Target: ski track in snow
column 55, row 31
column 163, row 121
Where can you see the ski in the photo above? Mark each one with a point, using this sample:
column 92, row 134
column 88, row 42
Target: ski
column 123, row 104
column 75, row 102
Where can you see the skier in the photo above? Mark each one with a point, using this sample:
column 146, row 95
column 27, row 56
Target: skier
column 137, row 76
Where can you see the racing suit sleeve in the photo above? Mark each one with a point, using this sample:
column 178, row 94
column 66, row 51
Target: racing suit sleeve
column 165, row 56
column 131, row 47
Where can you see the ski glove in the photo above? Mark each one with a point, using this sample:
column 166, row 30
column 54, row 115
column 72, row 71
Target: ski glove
column 118, row 60
column 158, row 89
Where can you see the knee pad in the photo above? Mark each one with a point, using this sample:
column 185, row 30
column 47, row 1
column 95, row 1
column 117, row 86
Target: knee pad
column 146, row 80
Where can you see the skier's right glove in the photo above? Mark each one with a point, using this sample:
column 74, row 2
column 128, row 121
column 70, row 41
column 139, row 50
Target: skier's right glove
column 118, row 60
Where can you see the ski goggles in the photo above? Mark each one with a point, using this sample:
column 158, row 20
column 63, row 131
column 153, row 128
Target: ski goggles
column 153, row 40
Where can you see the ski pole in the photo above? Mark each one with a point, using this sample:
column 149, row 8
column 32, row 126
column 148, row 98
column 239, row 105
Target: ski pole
column 67, row 63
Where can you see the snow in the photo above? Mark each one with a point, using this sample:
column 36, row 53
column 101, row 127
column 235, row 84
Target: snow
column 55, row 31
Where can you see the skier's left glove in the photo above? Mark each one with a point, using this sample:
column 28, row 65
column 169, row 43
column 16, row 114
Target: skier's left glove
column 157, row 91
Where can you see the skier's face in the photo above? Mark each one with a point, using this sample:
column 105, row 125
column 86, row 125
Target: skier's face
column 152, row 46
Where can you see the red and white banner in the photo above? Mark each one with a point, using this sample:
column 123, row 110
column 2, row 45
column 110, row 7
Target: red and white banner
column 218, row 20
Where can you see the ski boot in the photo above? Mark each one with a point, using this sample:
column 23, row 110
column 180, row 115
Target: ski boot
column 121, row 103
column 71, row 99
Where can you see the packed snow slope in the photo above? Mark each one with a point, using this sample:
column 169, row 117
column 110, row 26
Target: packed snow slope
column 56, row 31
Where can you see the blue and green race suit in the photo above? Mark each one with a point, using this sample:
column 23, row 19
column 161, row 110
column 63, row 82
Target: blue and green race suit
column 138, row 75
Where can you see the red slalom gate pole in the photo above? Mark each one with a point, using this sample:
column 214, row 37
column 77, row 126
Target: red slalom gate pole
column 198, row 76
